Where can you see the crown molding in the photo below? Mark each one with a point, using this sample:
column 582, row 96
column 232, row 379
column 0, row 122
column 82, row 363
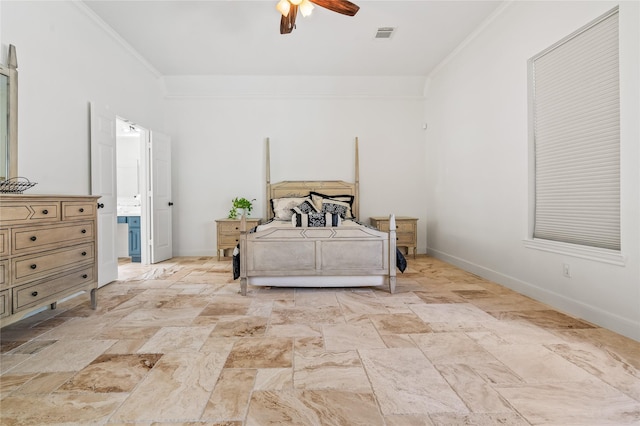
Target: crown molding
column 80, row 4
column 484, row 24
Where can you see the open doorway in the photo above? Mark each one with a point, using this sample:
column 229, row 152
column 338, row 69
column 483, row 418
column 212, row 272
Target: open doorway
column 132, row 205
column 152, row 179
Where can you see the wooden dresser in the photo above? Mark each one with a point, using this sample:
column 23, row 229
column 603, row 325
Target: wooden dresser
column 228, row 232
column 48, row 251
column 406, row 230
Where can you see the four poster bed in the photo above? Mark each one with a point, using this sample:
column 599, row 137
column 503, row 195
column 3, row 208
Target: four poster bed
column 312, row 239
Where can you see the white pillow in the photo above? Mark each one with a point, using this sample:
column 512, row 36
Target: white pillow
column 282, row 206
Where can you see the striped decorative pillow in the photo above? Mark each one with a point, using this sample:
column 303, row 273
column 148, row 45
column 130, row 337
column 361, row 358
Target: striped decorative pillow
column 316, row 220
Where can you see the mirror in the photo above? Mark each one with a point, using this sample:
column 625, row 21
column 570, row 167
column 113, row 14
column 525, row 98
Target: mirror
column 9, row 116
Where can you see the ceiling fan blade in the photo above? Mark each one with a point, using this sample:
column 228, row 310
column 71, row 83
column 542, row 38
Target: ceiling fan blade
column 341, row 6
column 288, row 23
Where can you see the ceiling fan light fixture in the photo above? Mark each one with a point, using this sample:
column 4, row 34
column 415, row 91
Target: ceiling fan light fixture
column 283, row 7
column 306, row 8
column 289, row 10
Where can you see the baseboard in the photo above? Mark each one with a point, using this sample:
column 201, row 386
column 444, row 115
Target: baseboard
column 557, row 301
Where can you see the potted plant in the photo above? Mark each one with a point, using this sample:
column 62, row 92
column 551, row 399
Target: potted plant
column 240, row 203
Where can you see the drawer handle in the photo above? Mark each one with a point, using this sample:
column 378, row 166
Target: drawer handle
column 84, row 231
column 236, row 240
column 237, row 228
column 33, row 238
column 81, row 210
column 84, row 253
column 34, row 266
column 45, row 211
column 84, row 276
column 34, row 293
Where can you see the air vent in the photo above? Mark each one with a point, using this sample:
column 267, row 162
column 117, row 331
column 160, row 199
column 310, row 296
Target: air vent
column 385, row 32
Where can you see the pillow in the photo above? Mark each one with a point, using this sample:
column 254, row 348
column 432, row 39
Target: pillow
column 305, row 207
column 317, row 198
column 282, row 206
column 315, row 220
column 333, row 206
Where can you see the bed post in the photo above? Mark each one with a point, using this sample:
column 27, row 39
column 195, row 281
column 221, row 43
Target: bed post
column 243, row 254
column 356, row 202
column 392, row 254
column 268, row 194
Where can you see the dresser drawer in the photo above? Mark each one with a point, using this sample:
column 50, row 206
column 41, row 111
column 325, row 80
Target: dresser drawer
column 14, row 212
column 77, row 210
column 29, row 239
column 27, row 295
column 29, row 268
column 4, row 274
column 5, row 303
column 4, row 242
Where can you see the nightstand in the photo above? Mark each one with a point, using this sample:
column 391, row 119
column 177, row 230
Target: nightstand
column 228, row 232
column 406, row 230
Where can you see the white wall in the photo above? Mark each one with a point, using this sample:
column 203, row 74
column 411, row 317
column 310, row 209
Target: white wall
column 219, row 126
column 477, row 162
column 476, row 196
column 66, row 60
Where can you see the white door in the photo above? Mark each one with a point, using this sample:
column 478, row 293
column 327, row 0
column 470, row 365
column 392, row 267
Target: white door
column 103, row 183
column 161, row 204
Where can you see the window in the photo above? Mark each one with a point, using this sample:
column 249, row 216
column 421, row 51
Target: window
column 575, row 128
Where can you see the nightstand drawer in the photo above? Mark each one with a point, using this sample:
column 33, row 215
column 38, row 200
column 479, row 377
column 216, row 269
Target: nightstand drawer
column 228, row 240
column 406, row 230
column 228, row 232
column 229, row 227
column 405, row 238
column 401, row 226
column 233, row 227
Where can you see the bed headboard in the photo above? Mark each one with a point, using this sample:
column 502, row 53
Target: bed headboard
column 291, row 188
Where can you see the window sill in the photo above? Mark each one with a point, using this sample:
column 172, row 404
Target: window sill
column 611, row 257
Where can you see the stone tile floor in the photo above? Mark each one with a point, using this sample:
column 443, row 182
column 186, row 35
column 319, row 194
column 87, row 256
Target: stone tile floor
column 174, row 343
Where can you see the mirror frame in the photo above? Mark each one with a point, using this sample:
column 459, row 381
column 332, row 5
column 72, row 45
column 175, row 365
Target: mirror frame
column 11, row 71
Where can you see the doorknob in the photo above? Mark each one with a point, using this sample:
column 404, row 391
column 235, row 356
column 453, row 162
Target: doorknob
column 100, row 205
column 170, row 203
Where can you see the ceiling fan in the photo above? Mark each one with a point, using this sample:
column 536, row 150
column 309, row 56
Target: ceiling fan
column 289, row 10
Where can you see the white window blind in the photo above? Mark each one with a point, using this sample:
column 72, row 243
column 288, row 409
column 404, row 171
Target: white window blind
column 576, row 131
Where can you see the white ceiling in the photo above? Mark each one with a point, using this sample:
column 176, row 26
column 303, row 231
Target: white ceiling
column 235, row 37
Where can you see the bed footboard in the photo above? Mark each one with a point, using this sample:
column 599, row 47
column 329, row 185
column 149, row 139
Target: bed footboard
column 340, row 256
